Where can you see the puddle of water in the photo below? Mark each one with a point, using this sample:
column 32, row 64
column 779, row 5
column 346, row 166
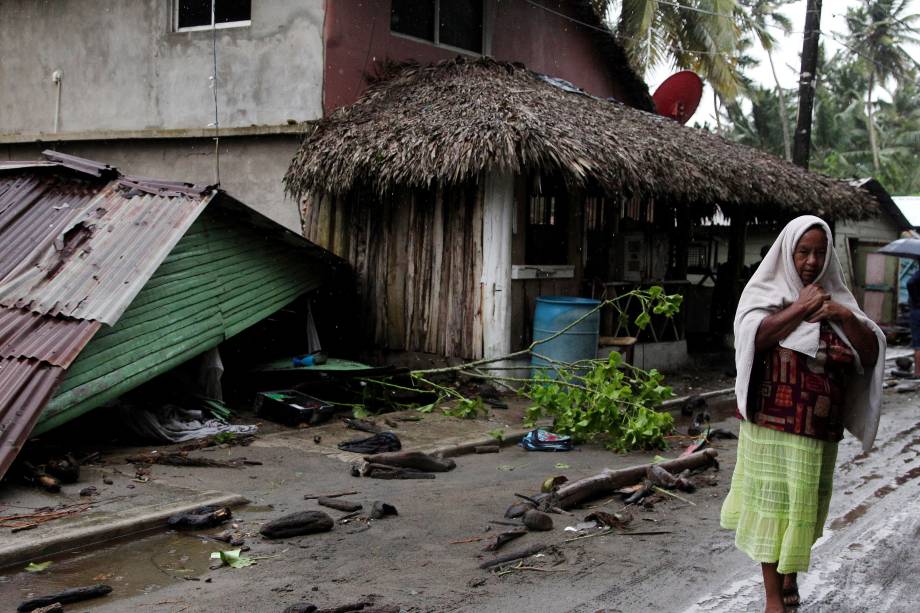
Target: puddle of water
column 131, row 567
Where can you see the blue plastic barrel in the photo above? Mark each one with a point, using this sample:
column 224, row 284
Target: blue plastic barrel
column 556, row 313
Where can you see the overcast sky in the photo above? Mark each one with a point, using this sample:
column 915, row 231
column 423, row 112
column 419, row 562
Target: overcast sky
column 786, row 56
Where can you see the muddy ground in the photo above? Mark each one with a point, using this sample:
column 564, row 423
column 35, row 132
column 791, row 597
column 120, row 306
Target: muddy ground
column 415, row 561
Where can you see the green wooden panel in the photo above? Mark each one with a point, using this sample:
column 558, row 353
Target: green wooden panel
column 221, row 278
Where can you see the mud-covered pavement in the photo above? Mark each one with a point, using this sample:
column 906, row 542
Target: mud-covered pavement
column 865, row 562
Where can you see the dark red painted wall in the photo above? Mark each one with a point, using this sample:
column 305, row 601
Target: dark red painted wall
column 357, row 35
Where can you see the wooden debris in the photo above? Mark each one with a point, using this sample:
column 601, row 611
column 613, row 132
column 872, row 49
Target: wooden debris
column 504, row 538
column 662, row 478
column 338, row 495
column 472, row 539
column 210, row 441
column 181, row 458
column 67, row 596
column 516, row 555
column 51, row 608
column 296, row 524
column 412, row 459
column 27, row 521
column 339, row 505
column 573, row 493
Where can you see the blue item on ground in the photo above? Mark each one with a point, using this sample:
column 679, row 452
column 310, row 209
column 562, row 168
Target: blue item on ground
column 542, row 440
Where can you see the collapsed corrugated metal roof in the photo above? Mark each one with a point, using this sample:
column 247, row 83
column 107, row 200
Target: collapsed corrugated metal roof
column 78, row 242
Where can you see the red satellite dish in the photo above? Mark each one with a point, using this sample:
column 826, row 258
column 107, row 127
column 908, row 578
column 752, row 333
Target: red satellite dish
column 679, row 95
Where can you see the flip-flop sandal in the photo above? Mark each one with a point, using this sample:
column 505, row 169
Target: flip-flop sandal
column 791, row 596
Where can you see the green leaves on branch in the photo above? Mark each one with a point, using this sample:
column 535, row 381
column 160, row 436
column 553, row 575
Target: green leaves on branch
column 613, row 403
column 466, row 408
column 655, row 301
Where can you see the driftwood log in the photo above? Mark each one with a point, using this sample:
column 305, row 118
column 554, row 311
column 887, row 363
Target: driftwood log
column 76, row 594
column 515, row 555
column 296, row 524
column 574, row 493
column 339, row 505
column 412, row 459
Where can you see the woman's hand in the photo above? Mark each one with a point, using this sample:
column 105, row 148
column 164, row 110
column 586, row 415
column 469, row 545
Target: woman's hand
column 812, row 298
column 832, row 311
column 861, row 337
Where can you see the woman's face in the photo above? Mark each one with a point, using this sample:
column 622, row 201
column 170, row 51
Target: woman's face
column 809, row 255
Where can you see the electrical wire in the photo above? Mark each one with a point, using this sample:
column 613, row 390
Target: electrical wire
column 214, row 91
column 699, row 10
column 623, row 36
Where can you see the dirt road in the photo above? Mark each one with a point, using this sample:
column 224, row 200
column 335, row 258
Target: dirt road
column 863, row 564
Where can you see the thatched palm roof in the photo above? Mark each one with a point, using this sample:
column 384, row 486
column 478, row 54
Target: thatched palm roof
column 448, row 122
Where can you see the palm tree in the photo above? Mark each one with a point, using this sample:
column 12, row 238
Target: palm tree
column 879, row 33
column 760, row 16
column 700, row 35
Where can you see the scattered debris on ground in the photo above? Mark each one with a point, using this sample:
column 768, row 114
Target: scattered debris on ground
column 297, row 524
column 381, row 509
column 181, row 458
column 504, row 538
column 378, row 443
column 25, row 521
column 413, row 459
column 200, row 518
column 346, row 506
column 78, row 594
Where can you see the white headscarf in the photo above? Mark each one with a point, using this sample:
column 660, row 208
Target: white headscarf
column 774, row 286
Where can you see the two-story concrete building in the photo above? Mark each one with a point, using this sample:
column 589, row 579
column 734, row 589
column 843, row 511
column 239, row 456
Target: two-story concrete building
column 149, row 85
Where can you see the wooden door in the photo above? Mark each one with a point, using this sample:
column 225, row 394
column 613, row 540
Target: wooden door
column 495, row 285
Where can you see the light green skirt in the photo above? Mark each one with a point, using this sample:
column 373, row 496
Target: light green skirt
column 779, row 497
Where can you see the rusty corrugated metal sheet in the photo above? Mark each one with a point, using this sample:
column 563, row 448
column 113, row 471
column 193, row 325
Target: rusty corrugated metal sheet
column 78, row 241
column 54, row 340
column 35, row 208
column 91, row 263
column 26, row 385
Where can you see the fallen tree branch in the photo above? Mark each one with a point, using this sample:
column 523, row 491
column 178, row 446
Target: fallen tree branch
column 573, row 493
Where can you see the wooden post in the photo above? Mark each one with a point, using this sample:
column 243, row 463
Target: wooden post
column 736, row 248
column 807, row 78
column 681, row 247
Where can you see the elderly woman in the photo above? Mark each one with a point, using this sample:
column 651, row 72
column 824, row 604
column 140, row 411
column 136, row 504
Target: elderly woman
column 810, row 364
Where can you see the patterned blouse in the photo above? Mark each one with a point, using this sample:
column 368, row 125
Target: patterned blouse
column 801, row 395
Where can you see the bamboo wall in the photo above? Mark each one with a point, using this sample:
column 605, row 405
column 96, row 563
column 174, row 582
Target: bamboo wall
column 418, row 260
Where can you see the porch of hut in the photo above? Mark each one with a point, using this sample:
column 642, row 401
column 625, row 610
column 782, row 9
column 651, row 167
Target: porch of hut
column 462, row 191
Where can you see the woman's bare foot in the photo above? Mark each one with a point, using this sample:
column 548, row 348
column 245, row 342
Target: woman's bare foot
column 791, row 590
column 773, row 589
